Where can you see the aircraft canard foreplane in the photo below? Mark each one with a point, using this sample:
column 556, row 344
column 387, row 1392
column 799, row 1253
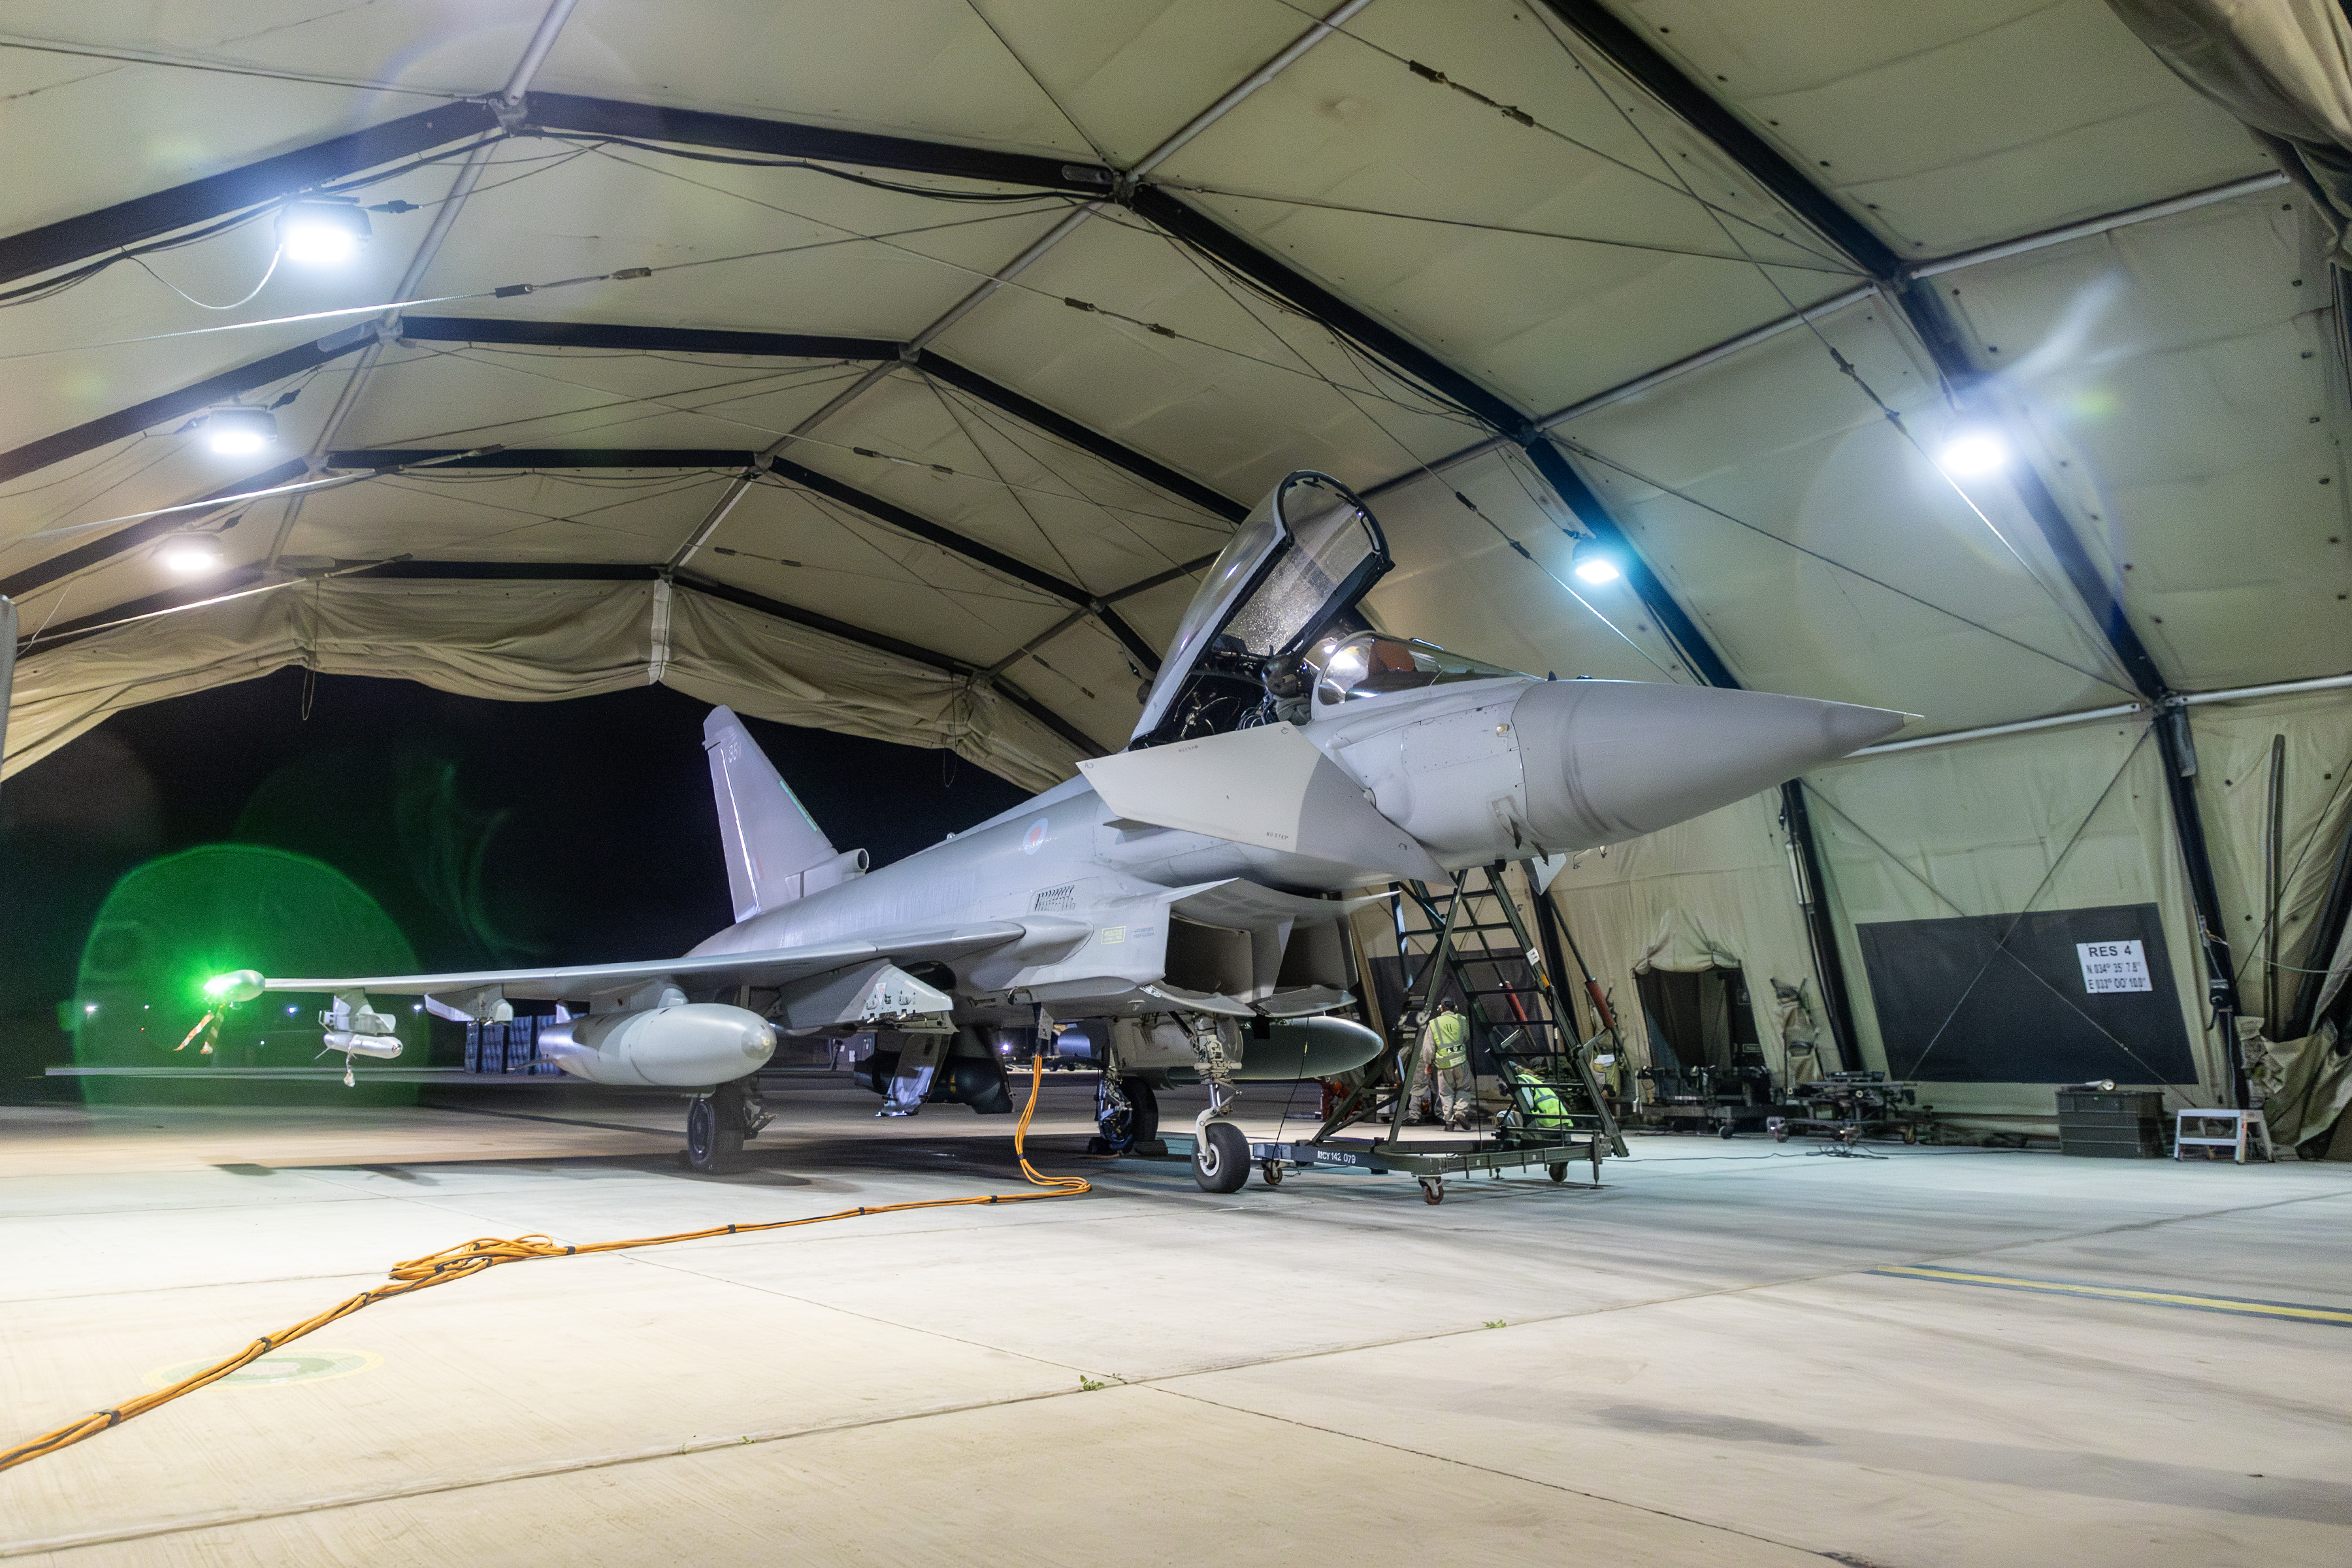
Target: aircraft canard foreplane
column 1184, row 897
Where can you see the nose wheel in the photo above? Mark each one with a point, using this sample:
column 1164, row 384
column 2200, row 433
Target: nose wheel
column 1220, row 1158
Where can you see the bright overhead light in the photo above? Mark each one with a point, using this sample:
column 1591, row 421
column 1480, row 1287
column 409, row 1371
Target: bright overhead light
column 1973, row 454
column 239, row 432
column 321, row 234
column 193, row 554
column 1593, row 561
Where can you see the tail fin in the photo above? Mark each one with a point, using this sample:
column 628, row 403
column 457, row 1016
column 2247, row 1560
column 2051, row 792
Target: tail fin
column 772, row 841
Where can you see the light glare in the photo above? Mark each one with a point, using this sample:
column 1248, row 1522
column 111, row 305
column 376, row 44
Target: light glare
column 1593, row 562
column 1973, row 455
column 193, row 557
column 238, row 432
column 322, row 233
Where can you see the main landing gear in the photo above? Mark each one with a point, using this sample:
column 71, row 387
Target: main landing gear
column 717, row 1124
column 1127, row 1112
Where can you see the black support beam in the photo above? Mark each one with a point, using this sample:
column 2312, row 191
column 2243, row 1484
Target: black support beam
column 1634, row 54
column 821, row 144
column 194, row 398
column 131, row 536
column 1029, row 411
column 495, row 332
column 79, row 239
column 787, row 346
column 724, row 457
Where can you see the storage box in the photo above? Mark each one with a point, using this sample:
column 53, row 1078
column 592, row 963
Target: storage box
column 2114, row 1124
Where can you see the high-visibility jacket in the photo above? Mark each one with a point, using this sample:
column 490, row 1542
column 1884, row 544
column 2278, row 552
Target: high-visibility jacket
column 1449, row 1034
column 1543, row 1106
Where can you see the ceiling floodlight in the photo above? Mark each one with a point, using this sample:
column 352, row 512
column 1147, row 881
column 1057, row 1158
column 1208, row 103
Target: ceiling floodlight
column 322, row 233
column 238, row 432
column 1973, row 454
column 1593, row 561
column 193, row 554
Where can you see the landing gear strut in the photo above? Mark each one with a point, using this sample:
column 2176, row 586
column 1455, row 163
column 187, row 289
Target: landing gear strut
column 1221, row 1151
column 718, row 1123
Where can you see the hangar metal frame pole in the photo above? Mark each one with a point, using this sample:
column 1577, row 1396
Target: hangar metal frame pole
column 1965, row 383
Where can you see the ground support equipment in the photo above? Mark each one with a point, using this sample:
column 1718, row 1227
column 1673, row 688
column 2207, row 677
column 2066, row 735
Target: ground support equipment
column 1427, row 1161
column 1852, row 1106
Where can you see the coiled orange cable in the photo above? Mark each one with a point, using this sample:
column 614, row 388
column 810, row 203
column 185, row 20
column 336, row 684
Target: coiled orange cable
column 469, row 1258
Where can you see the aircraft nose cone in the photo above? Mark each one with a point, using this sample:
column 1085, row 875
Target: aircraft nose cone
column 1610, row 760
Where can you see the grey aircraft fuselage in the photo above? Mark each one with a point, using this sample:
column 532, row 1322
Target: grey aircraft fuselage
column 1474, row 771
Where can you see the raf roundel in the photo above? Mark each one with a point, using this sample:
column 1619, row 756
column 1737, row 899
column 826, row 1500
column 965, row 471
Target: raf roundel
column 1035, row 839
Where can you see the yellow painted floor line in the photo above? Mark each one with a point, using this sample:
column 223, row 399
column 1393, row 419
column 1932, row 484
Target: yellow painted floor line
column 2186, row 1300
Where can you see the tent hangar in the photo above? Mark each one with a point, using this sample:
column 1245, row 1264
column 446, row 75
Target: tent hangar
column 902, row 372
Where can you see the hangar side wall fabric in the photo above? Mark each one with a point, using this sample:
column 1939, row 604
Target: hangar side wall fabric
column 2282, row 67
column 527, row 642
column 2063, row 819
column 2233, row 789
column 1714, row 887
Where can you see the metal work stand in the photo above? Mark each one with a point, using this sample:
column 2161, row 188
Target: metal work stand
column 1558, row 1116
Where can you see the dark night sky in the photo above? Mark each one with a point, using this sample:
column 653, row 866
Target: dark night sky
column 493, row 833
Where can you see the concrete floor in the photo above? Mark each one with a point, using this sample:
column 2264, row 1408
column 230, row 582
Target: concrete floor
column 1695, row 1367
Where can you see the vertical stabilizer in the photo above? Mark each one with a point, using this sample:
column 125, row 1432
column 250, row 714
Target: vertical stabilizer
column 772, row 841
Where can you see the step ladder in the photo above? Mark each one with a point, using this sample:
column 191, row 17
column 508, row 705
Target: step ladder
column 1470, row 940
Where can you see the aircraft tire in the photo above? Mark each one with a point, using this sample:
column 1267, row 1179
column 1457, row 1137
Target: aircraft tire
column 711, row 1138
column 1221, row 1160
column 1144, row 1125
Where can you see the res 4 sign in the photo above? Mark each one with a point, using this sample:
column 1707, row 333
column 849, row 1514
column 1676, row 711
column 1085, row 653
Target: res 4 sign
column 2113, row 966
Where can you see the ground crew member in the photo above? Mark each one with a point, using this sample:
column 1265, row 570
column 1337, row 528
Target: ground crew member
column 1447, row 1039
column 1539, row 1101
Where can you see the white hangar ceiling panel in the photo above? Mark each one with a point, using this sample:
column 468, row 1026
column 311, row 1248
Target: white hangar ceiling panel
column 810, row 550
column 442, row 395
column 772, row 249
column 1244, row 395
column 163, row 124
column 1648, row 273
column 1008, row 487
column 1951, row 123
column 921, row 66
column 445, row 514
column 1460, row 585
column 2190, row 371
column 1133, row 73
column 1781, row 441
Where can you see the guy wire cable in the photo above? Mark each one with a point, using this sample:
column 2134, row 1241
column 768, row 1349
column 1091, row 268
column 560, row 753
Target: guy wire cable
column 469, row 1258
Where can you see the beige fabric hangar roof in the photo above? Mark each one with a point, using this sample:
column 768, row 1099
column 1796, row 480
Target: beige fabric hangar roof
column 1443, row 252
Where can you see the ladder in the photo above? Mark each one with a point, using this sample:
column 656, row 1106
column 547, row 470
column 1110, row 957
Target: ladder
column 1469, row 940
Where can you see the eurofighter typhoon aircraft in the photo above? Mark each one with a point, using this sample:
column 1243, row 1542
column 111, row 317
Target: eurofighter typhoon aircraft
column 1187, row 894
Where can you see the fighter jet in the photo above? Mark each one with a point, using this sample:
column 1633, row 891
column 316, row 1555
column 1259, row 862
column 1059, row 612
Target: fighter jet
column 1185, row 898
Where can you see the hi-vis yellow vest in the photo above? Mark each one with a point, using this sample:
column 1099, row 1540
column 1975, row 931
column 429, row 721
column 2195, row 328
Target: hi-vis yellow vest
column 1447, row 1032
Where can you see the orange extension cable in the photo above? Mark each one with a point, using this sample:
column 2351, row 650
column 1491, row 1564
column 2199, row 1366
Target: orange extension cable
column 472, row 1257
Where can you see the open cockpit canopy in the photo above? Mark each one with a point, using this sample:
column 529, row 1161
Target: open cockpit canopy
column 1298, row 565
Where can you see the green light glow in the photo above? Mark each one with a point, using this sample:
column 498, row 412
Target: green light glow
column 179, row 935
